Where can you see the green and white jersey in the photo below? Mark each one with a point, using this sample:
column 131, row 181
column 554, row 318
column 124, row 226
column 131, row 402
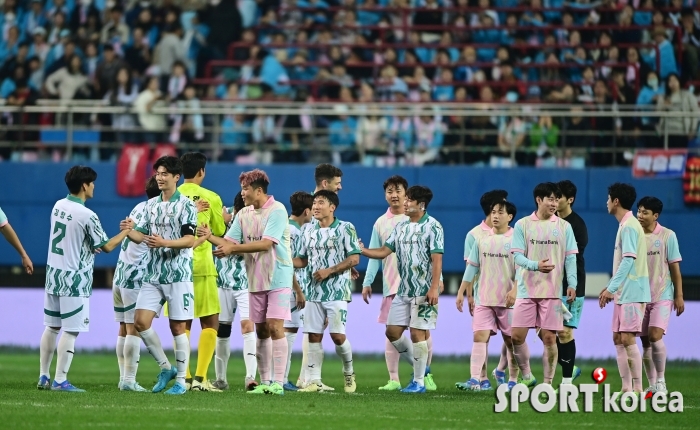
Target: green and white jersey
column 166, row 219
column 414, row 244
column 231, row 273
column 131, row 265
column 76, row 233
column 304, row 274
column 325, row 248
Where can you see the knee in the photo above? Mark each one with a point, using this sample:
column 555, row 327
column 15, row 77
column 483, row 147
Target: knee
column 224, row 331
column 393, row 334
column 262, row 331
column 177, row 328
column 338, row 338
column 656, row 336
column 315, row 337
column 418, row 335
column 141, row 325
column 247, row 326
column 548, row 337
column 566, row 335
column 645, row 341
column 518, row 338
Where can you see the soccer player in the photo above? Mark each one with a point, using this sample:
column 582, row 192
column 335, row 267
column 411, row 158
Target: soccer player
column 76, row 234
column 479, row 231
column 330, row 248
column 301, row 203
column 206, row 303
column 128, row 277
column 491, row 303
column 663, row 261
column 419, row 243
column 9, row 234
column 566, row 344
column 544, row 246
column 260, row 232
column 233, row 295
column 168, row 227
column 629, row 286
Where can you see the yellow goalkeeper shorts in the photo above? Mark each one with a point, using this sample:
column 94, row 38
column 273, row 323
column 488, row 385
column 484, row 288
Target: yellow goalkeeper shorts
column 206, row 297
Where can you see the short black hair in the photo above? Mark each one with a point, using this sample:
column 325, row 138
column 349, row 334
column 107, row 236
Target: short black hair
column 238, row 203
column 508, row 206
column 624, row 193
column 172, row 164
column 544, row 190
column 77, row 176
column 330, row 196
column 192, row 163
column 567, row 189
column 651, row 203
column 420, row 194
column 300, row 201
column 152, row 187
column 396, row 180
column 489, row 197
column 326, row 172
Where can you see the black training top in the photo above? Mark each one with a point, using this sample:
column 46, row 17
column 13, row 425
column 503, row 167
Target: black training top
column 581, row 236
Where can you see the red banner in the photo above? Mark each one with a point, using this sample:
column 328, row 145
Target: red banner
column 659, row 163
column 691, row 182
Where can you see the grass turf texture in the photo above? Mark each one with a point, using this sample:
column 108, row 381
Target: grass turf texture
column 103, row 406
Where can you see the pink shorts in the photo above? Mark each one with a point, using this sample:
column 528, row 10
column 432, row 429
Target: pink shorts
column 543, row 313
column 657, row 315
column 384, row 309
column 492, row 318
column 628, row 317
column 273, row 304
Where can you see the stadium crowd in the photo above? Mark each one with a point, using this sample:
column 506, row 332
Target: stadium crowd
column 606, row 55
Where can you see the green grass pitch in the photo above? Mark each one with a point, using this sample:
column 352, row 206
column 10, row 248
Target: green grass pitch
column 103, row 406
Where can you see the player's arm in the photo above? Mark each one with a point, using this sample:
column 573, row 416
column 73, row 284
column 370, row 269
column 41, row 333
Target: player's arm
column 11, row 236
column 188, row 228
column 301, row 299
column 352, row 255
column 630, row 238
column 217, row 225
column 114, row 242
column 372, row 266
column 673, row 256
column 274, row 229
column 570, row 269
column 467, row 285
column 518, row 248
column 204, row 232
column 437, row 248
column 383, row 252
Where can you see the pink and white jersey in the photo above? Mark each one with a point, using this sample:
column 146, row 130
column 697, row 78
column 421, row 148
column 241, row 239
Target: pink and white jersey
column 491, row 254
column 390, row 272
column 662, row 250
column 630, row 242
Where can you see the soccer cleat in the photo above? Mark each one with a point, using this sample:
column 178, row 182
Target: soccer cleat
column 350, row 385
column 499, row 376
column 288, row 386
column 259, row 389
column 311, row 388
column 429, row 383
column 65, row 386
column 177, row 390
column 274, row 388
column 44, row 383
column 651, row 389
column 576, row 373
column 511, row 384
column 301, row 384
column 470, row 385
column 165, row 376
column 528, row 382
column 188, row 384
column 219, row 384
column 391, row 386
column 486, row 385
column 204, row 386
column 414, row 388
column 119, row 385
column 133, row 386
column 325, row 387
column 250, row 384
column 661, row 387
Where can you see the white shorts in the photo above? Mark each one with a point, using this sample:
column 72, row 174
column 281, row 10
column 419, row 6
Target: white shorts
column 413, row 312
column 297, row 320
column 178, row 295
column 124, row 304
column 69, row 313
column 315, row 314
column 232, row 300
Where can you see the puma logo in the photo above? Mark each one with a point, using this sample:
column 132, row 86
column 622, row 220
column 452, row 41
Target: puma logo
column 251, row 354
column 311, row 366
column 181, row 361
column 566, row 361
column 346, row 362
column 70, row 352
column 401, row 352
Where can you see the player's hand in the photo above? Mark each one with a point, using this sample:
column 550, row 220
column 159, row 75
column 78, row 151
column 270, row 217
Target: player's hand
column 545, row 267
column 97, row 251
column 510, row 298
column 441, row 287
column 470, row 302
column 126, row 224
column 202, row 205
column 354, row 274
column 605, row 297
column 29, row 267
column 460, row 302
column 227, row 216
column 301, row 300
column 155, row 241
column 224, row 250
column 366, row 293
column 203, row 231
column 570, row 295
column 321, row 275
column 362, row 245
column 433, row 296
column 678, row 305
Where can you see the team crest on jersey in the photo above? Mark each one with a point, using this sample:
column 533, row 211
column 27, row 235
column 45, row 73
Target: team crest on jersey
column 657, row 243
column 86, row 321
column 555, row 232
column 506, row 246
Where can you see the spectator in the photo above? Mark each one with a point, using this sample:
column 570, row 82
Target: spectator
column 69, row 82
column 266, row 133
column 543, row 142
column 429, row 135
column 39, row 47
column 341, row 135
column 225, row 24
column 170, row 49
column 123, row 93
column 153, row 124
column 577, row 138
column 138, row 53
column 177, row 82
column 511, row 136
column 235, row 134
column 690, row 42
column 188, row 128
column 106, row 70
column 683, row 127
column 370, row 138
column 23, row 95
column 10, row 45
column 607, row 127
column 80, row 14
column 36, row 74
column 667, row 58
column 36, row 17
column 19, row 59
column 60, row 53
column 114, row 31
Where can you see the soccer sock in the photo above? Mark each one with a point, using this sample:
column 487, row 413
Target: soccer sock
column 477, row 358
column 420, row 361
column 344, row 351
column 405, row 349
column 152, row 342
column 207, row 345
column 483, row 376
column 188, row 375
column 391, row 355
column 47, row 346
column 291, row 337
column 315, row 359
column 503, row 362
column 304, row 358
column 549, row 361
column 567, row 356
column 522, row 356
column 658, row 351
column 512, row 367
column 430, row 350
column 279, row 356
column 223, row 353
column 249, row 355
column 120, row 356
column 66, row 349
column 624, row 367
column 132, row 354
column 264, row 355
column 182, row 357
column 635, row 363
column 649, row 365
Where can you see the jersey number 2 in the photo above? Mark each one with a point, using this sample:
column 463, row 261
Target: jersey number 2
column 59, row 228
